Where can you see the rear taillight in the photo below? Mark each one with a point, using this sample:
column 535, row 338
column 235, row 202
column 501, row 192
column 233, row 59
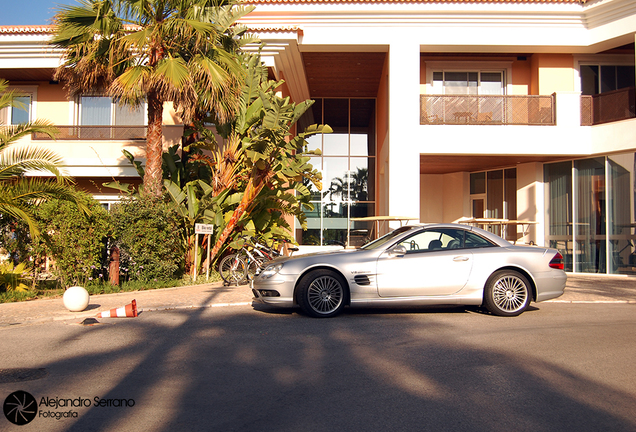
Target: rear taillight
column 557, row 262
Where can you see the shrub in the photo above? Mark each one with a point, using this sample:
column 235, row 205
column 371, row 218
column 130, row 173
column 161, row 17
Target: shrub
column 147, row 233
column 12, row 277
column 75, row 241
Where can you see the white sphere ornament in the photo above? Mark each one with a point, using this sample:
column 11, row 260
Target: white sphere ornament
column 76, row 299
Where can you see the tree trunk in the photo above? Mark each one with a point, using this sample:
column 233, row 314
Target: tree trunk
column 186, row 141
column 154, row 146
column 251, row 192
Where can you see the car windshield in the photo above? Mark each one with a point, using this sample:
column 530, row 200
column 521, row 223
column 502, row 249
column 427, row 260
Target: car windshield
column 378, row 243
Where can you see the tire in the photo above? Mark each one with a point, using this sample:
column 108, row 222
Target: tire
column 507, row 293
column 322, row 294
column 233, row 269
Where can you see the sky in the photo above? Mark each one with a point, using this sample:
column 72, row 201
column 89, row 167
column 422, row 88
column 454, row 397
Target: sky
column 29, row 12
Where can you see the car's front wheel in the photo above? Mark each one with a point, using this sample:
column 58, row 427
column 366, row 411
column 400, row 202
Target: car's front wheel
column 322, row 294
column 507, row 293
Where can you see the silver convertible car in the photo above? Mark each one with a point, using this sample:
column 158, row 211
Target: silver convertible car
column 416, row 265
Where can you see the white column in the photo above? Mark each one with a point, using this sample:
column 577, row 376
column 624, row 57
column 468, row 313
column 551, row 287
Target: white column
column 404, row 106
column 531, row 201
column 568, row 109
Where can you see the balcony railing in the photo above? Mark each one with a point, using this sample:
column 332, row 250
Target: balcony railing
column 608, row 107
column 118, row 133
column 487, row 110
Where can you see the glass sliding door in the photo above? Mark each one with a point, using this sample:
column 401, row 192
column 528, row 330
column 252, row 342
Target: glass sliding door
column 495, row 198
column 102, row 111
column 558, row 205
column 95, row 111
column 510, row 202
column 590, row 215
column 621, row 227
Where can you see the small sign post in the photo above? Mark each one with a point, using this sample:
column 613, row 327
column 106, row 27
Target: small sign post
column 202, row 229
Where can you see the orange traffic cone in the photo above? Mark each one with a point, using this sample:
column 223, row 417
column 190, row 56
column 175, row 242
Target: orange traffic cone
column 130, row 310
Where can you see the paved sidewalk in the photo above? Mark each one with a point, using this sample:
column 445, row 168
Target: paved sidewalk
column 599, row 289
column 579, row 289
column 196, row 296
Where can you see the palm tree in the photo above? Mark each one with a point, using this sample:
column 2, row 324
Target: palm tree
column 340, row 186
column 18, row 194
column 359, row 184
column 148, row 50
column 212, row 105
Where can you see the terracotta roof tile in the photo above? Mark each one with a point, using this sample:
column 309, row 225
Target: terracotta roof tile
column 44, row 29
column 409, row 1
column 23, row 29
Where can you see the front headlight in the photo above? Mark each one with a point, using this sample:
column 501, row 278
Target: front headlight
column 270, row 270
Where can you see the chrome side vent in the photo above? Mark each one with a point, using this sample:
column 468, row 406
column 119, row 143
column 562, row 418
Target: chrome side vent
column 362, row 280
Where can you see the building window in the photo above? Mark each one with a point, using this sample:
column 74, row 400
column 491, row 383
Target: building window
column 103, row 111
column 597, row 79
column 348, row 172
column 468, row 83
column 493, row 195
column 19, row 112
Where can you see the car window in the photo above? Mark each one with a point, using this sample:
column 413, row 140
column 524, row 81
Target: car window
column 375, row 244
column 434, row 240
column 476, row 241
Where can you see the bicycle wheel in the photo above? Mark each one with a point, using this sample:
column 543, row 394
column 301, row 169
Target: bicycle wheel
column 233, row 269
column 254, row 266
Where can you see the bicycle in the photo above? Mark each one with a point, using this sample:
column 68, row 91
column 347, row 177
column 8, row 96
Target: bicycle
column 232, row 269
column 247, row 262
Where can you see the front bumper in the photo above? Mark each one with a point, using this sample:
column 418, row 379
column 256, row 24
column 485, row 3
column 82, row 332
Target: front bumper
column 276, row 291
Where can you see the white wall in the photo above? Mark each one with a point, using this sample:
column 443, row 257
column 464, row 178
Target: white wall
column 530, row 201
column 444, row 197
column 431, row 198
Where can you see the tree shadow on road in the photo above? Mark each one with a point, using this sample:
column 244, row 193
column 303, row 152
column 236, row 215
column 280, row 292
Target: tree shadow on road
column 244, row 370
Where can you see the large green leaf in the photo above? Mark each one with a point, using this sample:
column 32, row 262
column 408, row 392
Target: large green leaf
column 193, row 201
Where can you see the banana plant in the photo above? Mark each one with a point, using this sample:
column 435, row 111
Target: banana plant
column 277, row 161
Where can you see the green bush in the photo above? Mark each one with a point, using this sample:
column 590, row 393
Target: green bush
column 148, row 235
column 74, row 240
column 12, row 277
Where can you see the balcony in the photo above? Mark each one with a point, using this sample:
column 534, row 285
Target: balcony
column 487, row 110
column 91, row 133
column 608, row 107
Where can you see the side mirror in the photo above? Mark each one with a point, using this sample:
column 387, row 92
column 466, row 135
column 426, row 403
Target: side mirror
column 397, row 251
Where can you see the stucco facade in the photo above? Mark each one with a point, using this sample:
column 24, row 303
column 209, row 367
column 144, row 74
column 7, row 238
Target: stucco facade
column 460, row 91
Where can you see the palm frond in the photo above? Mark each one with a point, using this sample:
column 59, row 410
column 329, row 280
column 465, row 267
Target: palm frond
column 7, row 97
column 17, row 160
column 32, row 190
column 173, row 71
column 17, row 211
column 11, row 133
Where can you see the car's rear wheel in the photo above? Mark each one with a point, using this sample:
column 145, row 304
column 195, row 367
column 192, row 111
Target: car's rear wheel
column 507, row 293
column 322, row 293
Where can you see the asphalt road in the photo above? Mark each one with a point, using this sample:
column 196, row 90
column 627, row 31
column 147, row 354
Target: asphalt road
column 557, row 367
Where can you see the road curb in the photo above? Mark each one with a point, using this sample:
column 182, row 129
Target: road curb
column 593, row 301
column 147, row 309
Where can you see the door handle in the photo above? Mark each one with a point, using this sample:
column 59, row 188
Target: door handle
column 460, row 258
